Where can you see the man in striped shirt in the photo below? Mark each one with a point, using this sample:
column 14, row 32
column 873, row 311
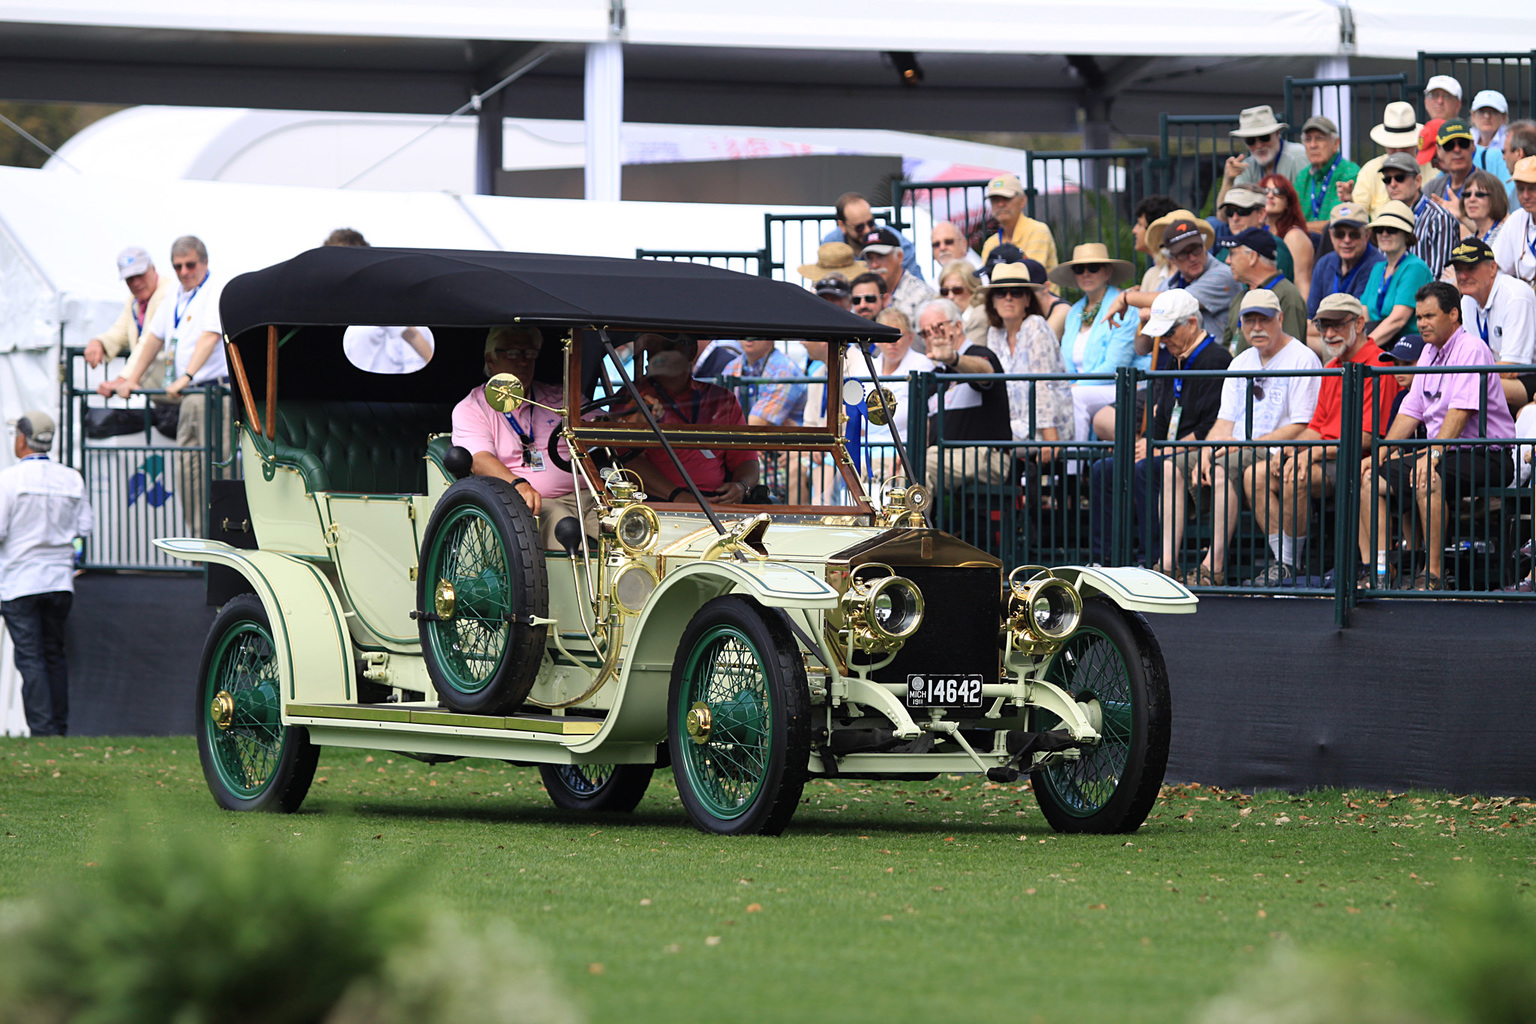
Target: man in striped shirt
column 1436, row 227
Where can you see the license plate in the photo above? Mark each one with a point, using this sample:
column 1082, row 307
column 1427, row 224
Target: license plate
column 924, row 691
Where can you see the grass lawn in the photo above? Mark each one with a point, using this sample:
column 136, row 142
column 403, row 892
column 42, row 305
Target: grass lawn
column 883, row 901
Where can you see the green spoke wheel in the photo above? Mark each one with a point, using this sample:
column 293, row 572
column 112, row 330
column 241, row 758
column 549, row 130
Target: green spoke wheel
column 739, row 719
column 482, row 578
column 250, row 759
column 1113, row 660
column 596, row 787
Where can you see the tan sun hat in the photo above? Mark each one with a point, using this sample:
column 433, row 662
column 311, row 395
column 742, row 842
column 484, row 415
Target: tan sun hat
column 1012, row 274
column 1256, row 121
column 1091, row 252
column 834, row 258
column 1397, row 215
column 1157, row 228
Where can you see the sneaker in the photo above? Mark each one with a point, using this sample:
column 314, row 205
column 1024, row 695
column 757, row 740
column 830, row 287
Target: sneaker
column 1370, row 579
column 1425, row 581
column 1274, row 576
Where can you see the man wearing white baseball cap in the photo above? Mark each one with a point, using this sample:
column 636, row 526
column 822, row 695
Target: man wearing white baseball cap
column 1490, row 123
column 1179, row 409
column 1442, row 98
column 43, row 509
column 146, row 290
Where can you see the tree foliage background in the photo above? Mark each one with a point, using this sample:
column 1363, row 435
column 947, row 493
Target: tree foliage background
column 52, row 123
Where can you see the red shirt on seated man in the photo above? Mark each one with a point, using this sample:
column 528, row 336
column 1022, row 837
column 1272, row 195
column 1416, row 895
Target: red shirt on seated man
column 674, row 397
column 524, row 447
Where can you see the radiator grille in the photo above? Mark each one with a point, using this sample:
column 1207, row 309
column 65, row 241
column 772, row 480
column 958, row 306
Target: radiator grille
column 960, row 624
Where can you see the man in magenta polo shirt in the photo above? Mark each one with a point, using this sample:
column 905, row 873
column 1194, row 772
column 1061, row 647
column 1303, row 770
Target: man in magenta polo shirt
column 1450, row 406
column 724, row 476
column 524, row 447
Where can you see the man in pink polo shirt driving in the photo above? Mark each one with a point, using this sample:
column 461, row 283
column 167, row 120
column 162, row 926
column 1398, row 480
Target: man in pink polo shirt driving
column 524, row 447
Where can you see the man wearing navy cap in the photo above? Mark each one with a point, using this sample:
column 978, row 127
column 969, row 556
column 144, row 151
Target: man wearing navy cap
column 1455, row 143
column 1501, row 311
column 906, row 292
column 1251, row 255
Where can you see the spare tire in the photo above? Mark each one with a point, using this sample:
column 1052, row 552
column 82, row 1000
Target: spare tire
column 481, row 586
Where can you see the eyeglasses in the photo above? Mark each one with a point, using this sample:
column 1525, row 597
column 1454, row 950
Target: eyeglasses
column 861, row 300
column 1009, row 293
column 1188, row 252
column 1474, row 194
column 1259, row 140
column 190, row 264
column 937, row 331
column 1345, row 233
column 956, row 291
column 1456, row 144
column 515, row 353
column 1087, row 268
column 1393, row 179
column 1273, row 190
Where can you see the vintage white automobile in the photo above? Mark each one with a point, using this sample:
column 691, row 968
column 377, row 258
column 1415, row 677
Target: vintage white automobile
column 395, row 601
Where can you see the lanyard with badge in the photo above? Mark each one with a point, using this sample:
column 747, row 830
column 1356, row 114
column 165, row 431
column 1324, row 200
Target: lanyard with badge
column 1482, row 323
column 1178, row 392
column 1317, row 196
column 698, row 398
column 177, row 312
column 533, row 459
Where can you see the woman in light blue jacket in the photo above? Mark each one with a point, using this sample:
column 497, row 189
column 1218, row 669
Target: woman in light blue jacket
column 1089, row 343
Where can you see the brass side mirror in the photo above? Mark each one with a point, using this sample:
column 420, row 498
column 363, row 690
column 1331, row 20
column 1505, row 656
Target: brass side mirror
column 504, row 393
column 879, row 404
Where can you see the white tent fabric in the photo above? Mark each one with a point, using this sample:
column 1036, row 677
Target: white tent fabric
column 1185, row 27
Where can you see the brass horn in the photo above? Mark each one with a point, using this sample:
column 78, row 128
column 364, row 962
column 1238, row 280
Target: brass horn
column 879, row 403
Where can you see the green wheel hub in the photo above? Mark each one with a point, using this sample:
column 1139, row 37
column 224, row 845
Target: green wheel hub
column 1089, row 666
column 727, row 712
column 241, row 697
column 472, row 639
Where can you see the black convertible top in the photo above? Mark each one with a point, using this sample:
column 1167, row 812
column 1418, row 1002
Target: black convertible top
column 341, row 285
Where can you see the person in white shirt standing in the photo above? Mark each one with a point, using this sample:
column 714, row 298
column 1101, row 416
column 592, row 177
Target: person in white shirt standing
column 189, row 329
column 42, row 510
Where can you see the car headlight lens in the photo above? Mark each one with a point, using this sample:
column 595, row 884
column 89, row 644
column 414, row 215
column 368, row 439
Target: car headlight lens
column 1054, row 608
column 636, row 529
column 1041, row 610
column 632, row 587
column 878, row 610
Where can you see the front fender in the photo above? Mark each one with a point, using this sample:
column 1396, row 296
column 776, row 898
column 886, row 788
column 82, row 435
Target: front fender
column 1132, row 588
column 314, row 651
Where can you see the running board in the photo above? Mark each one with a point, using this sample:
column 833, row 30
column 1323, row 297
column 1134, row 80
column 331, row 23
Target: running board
column 365, row 715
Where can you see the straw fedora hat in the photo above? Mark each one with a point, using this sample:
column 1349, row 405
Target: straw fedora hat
column 1156, row 228
column 1398, row 215
column 1013, row 275
column 1092, row 252
column 834, row 258
column 1399, row 127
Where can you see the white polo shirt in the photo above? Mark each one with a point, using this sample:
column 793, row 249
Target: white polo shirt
column 1515, row 246
column 182, row 319
column 42, row 510
column 1508, row 323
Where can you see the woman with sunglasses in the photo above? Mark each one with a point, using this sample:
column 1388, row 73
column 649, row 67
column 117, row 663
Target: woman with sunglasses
column 1394, row 283
column 1282, row 215
column 959, row 284
column 1024, row 343
column 1481, row 207
column 1091, row 344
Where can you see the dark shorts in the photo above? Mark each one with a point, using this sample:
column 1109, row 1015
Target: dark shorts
column 1528, row 381
column 1462, row 471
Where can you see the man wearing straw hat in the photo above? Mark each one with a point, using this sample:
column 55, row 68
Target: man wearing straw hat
column 1187, row 240
column 1268, row 152
column 833, row 258
column 1397, row 133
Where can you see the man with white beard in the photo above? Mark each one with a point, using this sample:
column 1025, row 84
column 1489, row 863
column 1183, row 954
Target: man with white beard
column 1299, row 473
column 1268, row 152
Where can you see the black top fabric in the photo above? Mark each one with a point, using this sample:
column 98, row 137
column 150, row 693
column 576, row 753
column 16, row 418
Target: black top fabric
column 1200, row 396
column 342, row 285
column 985, row 422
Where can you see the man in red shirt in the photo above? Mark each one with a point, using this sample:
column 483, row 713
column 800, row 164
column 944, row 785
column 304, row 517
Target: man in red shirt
column 674, row 397
column 1298, row 474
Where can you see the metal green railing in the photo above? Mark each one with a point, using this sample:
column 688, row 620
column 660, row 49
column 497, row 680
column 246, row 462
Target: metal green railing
column 1512, row 73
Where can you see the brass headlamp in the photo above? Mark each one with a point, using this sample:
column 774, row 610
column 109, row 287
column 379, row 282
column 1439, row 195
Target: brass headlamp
column 880, row 610
column 1041, row 610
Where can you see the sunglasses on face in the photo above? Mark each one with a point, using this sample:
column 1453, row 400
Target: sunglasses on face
column 1271, row 190
column 864, row 228
column 1009, row 293
column 1189, row 252
column 1351, row 234
column 189, row 265
column 1087, row 268
column 860, row 300
column 1457, row 144
column 1259, row 140
column 1472, row 194
column 515, row 353
column 956, row 291
column 1394, row 179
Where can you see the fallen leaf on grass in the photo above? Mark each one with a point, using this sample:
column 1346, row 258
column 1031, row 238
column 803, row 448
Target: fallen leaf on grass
column 595, row 968
column 712, row 940
column 1098, row 906
column 754, row 908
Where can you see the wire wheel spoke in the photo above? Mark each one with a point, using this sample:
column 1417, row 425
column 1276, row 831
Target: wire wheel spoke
column 585, row 779
column 247, row 752
column 1090, row 667
column 725, row 674
column 470, row 558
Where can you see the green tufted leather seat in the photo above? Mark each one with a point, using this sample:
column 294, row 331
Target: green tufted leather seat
column 360, row 447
